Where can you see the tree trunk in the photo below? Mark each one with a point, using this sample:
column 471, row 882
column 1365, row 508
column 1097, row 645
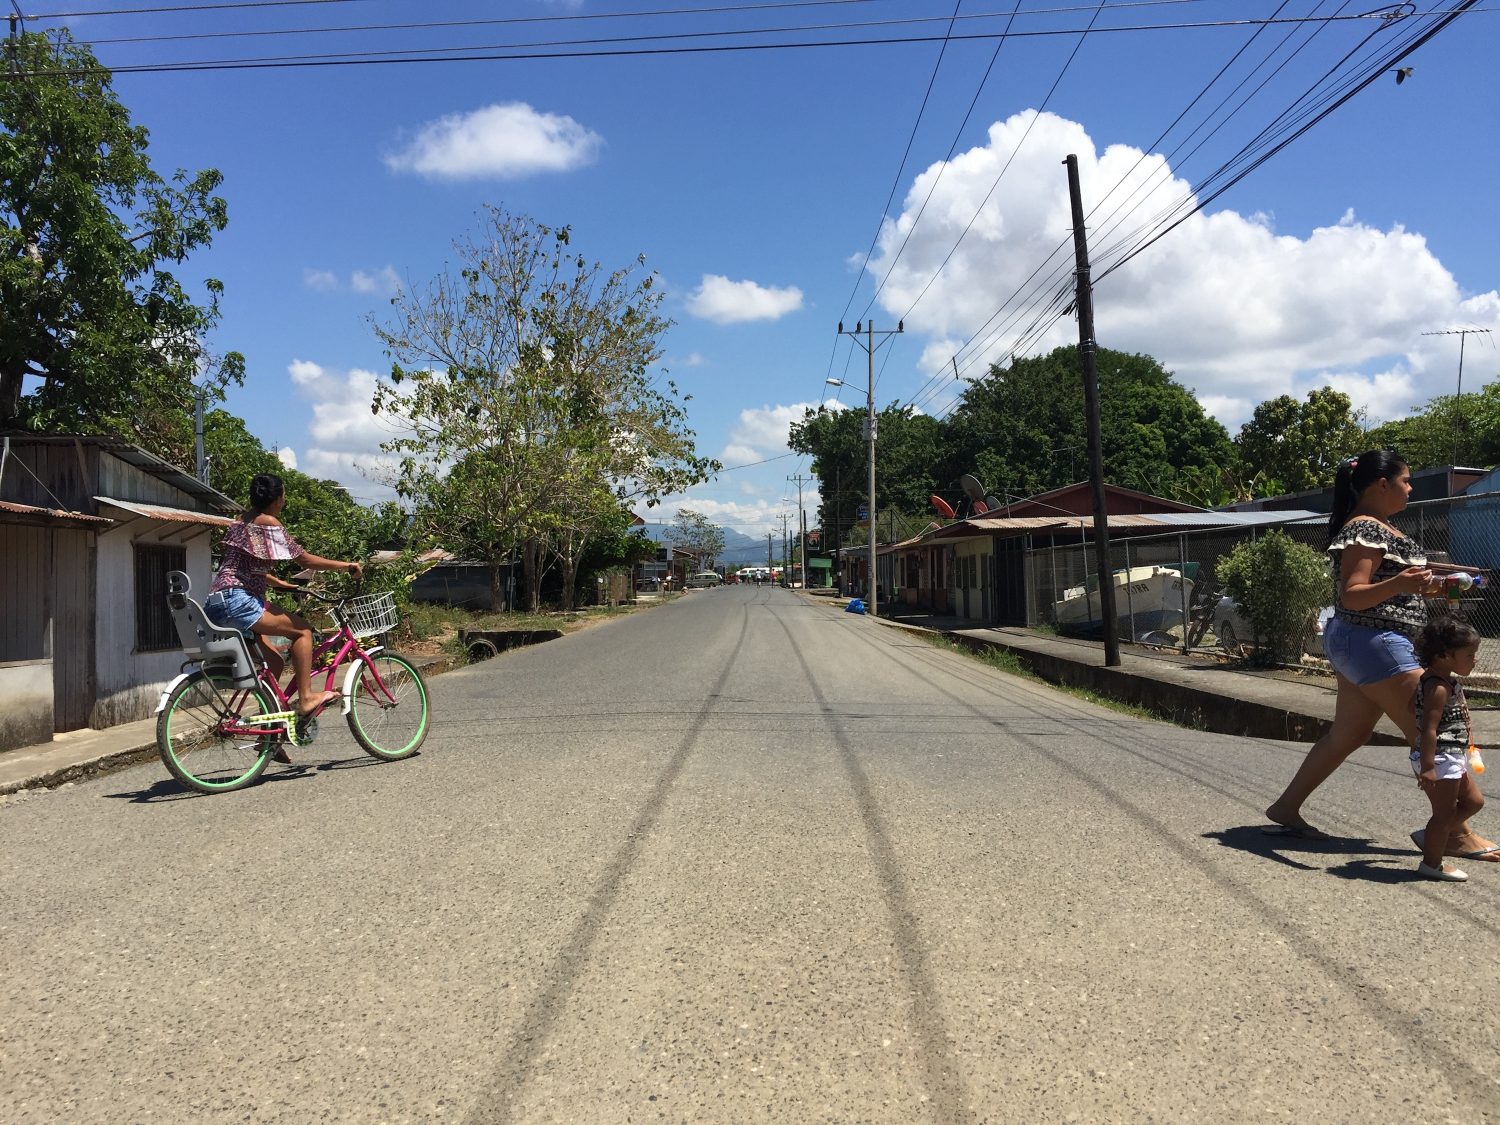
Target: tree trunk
column 569, row 580
column 10, row 398
column 497, row 590
column 532, row 571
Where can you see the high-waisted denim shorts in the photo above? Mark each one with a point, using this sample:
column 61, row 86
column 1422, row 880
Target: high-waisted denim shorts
column 1366, row 656
column 233, row 608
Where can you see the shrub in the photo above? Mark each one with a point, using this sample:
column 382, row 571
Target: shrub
column 1279, row 585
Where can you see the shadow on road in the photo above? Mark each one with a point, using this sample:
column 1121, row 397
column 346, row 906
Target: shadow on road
column 1254, row 838
column 170, row 789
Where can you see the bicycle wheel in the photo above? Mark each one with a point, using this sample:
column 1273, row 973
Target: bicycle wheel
column 191, row 740
column 389, row 718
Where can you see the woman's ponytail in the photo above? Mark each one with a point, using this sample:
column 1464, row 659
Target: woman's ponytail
column 265, row 488
column 1355, row 475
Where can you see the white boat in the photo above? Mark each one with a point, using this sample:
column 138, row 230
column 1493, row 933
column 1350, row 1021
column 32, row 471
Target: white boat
column 1148, row 599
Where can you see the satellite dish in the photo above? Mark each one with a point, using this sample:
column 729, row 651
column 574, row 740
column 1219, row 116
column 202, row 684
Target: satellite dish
column 941, row 506
column 980, row 507
column 971, row 486
column 993, row 503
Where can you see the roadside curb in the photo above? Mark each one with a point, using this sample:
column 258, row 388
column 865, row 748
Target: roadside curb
column 59, row 773
column 1193, row 707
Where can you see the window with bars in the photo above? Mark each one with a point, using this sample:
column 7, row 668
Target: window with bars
column 154, row 630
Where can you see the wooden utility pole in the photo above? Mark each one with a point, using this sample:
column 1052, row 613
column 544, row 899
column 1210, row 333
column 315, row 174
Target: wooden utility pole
column 1087, row 349
column 868, row 331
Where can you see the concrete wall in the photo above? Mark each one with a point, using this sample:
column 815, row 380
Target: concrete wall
column 26, row 691
column 130, row 682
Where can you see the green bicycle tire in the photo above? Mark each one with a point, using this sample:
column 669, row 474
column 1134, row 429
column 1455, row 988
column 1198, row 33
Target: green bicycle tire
column 385, row 731
column 191, row 749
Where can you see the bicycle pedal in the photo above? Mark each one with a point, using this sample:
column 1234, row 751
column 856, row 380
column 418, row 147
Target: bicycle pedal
column 307, row 730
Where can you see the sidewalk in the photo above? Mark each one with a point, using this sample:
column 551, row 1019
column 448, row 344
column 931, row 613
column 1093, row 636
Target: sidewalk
column 79, row 754
column 1197, row 691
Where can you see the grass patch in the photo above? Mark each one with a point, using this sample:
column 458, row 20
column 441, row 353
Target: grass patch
column 1003, row 660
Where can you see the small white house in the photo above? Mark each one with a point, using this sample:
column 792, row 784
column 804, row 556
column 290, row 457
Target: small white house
column 89, row 528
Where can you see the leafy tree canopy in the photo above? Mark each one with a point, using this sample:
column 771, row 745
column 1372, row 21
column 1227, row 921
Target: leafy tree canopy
column 909, row 459
column 1448, row 430
column 89, row 234
column 1022, row 429
column 692, row 530
column 1294, row 446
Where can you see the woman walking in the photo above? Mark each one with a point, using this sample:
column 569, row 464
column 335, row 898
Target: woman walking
column 1378, row 610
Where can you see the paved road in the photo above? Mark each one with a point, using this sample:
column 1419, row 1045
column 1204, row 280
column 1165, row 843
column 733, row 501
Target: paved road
column 740, row 858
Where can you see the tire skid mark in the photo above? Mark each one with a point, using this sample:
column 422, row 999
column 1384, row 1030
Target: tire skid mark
column 945, row 1082
column 497, row 1103
column 1461, row 1073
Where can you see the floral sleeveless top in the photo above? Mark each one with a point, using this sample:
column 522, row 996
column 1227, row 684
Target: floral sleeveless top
column 1453, row 728
column 250, row 551
column 1401, row 613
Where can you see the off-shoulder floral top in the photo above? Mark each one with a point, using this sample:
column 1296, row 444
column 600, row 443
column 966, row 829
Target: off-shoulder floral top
column 1401, row 613
column 250, row 551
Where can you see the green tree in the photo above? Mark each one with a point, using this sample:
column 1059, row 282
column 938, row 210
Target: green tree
column 89, row 234
column 693, row 531
column 1295, row 446
column 909, row 457
column 1447, row 430
column 1022, row 429
column 524, row 378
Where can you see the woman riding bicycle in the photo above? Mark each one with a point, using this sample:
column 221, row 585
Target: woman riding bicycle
column 254, row 544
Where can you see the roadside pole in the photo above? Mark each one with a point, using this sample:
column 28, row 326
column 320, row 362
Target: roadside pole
column 1087, row 349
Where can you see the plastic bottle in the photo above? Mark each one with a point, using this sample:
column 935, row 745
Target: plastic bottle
column 1476, row 761
column 1455, row 586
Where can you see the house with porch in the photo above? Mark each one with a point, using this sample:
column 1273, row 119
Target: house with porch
column 1009, row 566
column 89, row 529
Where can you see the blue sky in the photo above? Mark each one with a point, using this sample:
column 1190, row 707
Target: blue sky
column 754, row 183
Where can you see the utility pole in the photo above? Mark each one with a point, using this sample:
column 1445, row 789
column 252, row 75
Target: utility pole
column 868, row 331
column 770, row 559
column 800, row 480
column 1463, row 335
column 12, row 46
column 1087, row 349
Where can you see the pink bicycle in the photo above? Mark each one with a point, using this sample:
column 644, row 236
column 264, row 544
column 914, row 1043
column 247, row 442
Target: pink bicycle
column 220, row 724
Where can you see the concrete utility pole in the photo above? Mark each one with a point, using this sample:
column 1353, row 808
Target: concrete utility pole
column 1463, row 335
column 1087, row 349
column 868, row 331
column 800, row 480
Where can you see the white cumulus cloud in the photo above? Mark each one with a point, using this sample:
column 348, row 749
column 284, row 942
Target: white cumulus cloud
column 287, row 456
column 344, row 436
column 383, row 282
column 729, row 302
column 503, row 142
column 321, row 280
column 1238, row 311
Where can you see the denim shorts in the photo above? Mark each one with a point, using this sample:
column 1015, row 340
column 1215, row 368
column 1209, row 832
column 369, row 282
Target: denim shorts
column 233, row 608
column 1366, row 656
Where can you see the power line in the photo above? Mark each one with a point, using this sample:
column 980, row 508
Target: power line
column 597, row 48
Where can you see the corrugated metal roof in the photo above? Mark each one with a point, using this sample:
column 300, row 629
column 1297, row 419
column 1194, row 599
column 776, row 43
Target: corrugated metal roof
column 51, row 513
column 133, row 454
column 170, row 515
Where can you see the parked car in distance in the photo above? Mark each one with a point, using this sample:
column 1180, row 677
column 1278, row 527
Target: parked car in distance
column 703, row 580
column 1234, row 633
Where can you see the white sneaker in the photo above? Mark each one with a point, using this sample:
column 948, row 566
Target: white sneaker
column 1444, row 873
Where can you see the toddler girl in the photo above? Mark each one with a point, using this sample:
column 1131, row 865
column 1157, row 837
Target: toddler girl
column 1447, row 648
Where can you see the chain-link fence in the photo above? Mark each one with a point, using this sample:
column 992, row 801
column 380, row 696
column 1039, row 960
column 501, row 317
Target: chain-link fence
column 1167, row 591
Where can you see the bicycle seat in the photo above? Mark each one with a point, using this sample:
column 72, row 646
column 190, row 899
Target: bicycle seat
column 212, row 645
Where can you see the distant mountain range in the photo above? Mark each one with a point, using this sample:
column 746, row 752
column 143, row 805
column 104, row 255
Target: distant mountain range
column 739, row 549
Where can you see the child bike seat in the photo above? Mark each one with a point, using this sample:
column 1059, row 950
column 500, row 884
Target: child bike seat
column 216, row 648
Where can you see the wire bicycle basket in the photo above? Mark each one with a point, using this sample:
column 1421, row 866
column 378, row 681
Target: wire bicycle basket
column 369, row 615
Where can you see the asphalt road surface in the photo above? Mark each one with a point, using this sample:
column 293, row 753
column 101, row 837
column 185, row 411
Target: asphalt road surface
column 742, row 857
